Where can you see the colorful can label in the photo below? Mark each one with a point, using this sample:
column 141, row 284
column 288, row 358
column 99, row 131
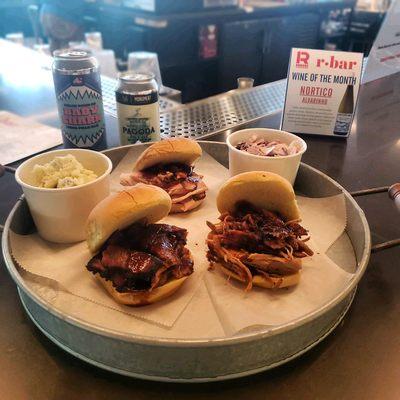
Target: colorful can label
column 138, row 117
column 80, row 106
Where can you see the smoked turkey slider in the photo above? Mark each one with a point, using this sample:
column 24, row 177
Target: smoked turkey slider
column 137, row 260
column 168, row 164
column 258, row 239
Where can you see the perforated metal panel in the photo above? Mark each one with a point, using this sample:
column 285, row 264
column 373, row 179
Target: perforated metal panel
column 206, row 117
column 108, row 88
column 209, row 116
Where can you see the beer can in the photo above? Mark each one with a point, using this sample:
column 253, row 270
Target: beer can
column 77, row 84
column 137, row 108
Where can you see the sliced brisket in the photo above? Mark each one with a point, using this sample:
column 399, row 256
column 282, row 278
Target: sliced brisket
column 178, row 180
column 143, row 257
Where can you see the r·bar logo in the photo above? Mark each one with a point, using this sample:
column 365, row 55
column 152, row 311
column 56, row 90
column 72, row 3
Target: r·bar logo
column 334, row 63
column 302, row 59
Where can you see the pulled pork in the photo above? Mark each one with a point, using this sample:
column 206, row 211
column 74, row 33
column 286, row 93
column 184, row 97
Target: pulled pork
column 143, row 257
column 184, row 186
column 256, row 242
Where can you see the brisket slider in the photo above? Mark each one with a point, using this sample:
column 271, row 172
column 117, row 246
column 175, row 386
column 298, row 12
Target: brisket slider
column 258, row 239
column 169, row 164
column 138, row 261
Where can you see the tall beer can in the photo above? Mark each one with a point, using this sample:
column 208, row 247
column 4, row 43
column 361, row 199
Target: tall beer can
column 80, row 102
column 137, row 108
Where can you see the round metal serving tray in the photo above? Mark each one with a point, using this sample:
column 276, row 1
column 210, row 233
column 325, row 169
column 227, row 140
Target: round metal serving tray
column 183, row 360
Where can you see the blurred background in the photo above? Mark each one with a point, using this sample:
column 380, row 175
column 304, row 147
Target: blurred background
column 197, row 47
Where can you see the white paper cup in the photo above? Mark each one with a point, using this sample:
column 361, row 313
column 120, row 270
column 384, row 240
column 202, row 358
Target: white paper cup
column 285, row 166
column 60, row 214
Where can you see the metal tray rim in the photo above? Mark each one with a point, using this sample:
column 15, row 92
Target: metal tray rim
column 175, row 342
column 219, row 378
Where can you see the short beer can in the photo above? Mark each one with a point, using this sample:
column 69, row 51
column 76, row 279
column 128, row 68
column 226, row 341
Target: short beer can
column 137, row 108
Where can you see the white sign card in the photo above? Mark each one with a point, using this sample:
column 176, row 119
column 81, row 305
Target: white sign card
column 321, row 93
column 384, row 57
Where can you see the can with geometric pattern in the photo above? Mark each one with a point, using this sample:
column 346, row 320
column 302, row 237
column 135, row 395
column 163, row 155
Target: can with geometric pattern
column 77, row 83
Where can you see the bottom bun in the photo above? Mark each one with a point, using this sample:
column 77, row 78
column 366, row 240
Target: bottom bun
column 183, row 207
column 268, row 283
column 142, row 298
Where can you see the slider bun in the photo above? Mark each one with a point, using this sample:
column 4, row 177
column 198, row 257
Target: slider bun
column 179, row 150
column 264, row 190
column 181, row 208
column 142, row 297
column 141, row 202
column 271, row 283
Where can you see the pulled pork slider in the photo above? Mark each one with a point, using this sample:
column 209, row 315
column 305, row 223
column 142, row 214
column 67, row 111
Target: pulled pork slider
column 169, row 164
column 258, row 239
column 138, row 261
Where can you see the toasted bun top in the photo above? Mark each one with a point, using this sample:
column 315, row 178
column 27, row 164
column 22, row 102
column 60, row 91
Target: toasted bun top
column 179, row 150
column 139, row 203
column 264, row 190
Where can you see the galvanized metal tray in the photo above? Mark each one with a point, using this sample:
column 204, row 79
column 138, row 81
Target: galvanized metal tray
column 196, row 360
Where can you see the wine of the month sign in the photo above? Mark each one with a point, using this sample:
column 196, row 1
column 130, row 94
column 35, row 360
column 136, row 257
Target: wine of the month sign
column 321, row 93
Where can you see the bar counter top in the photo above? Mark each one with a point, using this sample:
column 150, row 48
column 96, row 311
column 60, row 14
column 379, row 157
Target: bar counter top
column 359, row 360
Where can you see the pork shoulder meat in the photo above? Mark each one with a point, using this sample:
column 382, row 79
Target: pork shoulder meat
column 184, row 186
column 256, row 242
column 143, row 257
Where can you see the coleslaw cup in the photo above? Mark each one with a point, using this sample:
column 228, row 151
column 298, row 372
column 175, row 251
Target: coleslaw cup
column 242, row 161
